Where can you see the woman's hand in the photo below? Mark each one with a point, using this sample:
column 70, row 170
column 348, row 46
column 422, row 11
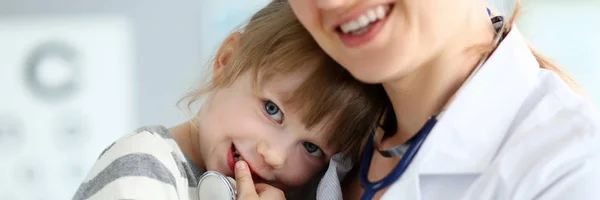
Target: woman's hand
column 247, row 190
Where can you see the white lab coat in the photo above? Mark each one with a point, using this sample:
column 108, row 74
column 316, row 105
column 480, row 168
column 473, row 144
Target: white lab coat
column 514, row 131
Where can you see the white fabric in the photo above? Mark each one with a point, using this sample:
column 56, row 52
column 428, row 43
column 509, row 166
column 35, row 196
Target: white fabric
column 329, row 187
column 514, row 131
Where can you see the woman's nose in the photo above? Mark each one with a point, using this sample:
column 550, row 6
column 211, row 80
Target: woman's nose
column 272, row 156
column 330, row 4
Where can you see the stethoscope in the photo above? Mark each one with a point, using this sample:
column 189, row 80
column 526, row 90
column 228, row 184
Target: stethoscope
column 213, row 185
column 408, row 150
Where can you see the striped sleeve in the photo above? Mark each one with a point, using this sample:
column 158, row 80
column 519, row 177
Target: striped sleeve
column 138, row 166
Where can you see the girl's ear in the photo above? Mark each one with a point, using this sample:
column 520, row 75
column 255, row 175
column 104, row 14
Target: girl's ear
column 226, row 53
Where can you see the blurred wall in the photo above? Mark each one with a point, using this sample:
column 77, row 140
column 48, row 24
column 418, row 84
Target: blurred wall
column 566, row 32
column 170, row 50
column 65, row 93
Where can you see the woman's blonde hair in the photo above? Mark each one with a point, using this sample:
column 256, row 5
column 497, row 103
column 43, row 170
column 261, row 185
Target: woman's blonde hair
column 274, row 42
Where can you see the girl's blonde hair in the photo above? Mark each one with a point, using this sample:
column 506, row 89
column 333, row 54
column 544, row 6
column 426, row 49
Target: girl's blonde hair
column 274, row 42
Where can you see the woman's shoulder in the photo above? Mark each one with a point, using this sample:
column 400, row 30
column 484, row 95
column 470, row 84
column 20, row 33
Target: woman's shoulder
column 560, row 107
column 556, row 116
column 556, row 142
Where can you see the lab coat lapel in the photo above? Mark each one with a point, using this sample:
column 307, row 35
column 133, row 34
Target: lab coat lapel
column 406, row 188
column 409, row 185
column 473, row 128
column 512, row 69
column 448, row 150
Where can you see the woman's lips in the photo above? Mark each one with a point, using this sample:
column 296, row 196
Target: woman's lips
column 364, row 27
column 351, row 40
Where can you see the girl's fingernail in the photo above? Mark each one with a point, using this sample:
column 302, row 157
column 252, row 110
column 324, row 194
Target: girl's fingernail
column 240, row 165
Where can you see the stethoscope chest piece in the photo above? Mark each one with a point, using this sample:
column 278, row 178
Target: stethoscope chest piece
column 213, row 185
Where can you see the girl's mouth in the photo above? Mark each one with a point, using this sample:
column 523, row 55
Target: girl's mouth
column 235, row 156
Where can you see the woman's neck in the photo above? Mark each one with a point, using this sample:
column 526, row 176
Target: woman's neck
column 426, row 91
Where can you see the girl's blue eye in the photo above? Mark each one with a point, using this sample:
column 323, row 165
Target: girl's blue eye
column 273, row 111
column 313, row 149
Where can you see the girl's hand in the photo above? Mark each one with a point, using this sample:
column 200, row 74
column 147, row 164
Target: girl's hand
column 247, row 190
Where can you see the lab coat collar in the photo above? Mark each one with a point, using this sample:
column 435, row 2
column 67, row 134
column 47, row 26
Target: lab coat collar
column 470, row 132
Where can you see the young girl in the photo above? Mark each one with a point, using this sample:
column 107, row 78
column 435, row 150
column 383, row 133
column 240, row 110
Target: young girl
column 275, row 100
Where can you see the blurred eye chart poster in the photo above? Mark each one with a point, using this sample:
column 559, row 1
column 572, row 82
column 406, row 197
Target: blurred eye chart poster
column 66, row 91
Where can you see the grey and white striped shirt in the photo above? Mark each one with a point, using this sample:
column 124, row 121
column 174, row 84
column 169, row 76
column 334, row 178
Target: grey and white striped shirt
column 149, row 164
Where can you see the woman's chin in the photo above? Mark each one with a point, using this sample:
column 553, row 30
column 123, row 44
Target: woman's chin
column 372, row 75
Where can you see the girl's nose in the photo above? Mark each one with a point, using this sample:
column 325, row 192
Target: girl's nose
column 272, row 156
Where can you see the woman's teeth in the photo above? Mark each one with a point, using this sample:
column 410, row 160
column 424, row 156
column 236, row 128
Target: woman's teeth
column 362, row 23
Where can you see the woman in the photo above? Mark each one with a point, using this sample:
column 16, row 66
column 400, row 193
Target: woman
column 475, row 113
